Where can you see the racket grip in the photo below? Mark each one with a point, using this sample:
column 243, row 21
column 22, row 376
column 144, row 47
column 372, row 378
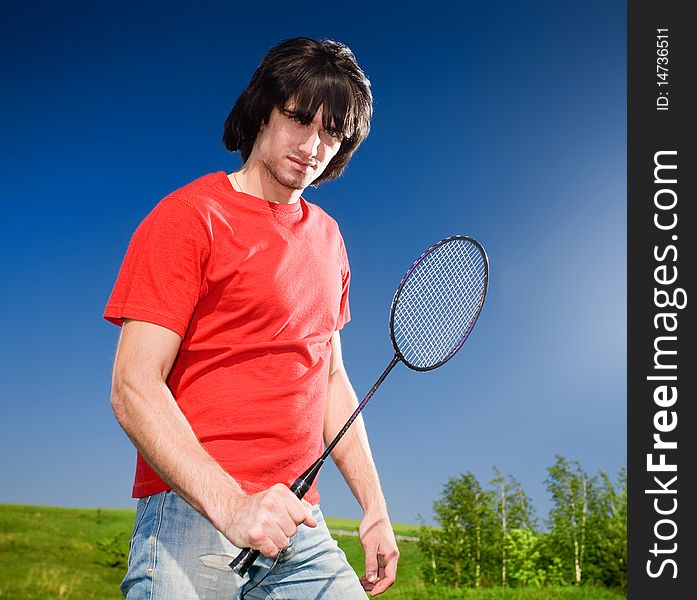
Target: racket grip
column 244, row 560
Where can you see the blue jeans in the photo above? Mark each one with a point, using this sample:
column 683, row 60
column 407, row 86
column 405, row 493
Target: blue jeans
column 176, row 554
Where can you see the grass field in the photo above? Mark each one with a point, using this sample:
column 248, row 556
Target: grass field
column 49, row 553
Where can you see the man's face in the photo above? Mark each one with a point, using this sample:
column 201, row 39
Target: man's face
column 292, row 153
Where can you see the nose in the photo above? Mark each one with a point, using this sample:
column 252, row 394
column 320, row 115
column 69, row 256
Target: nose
column 310, row 144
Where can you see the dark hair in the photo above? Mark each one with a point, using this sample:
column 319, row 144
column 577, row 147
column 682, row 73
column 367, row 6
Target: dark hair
column 312, row 73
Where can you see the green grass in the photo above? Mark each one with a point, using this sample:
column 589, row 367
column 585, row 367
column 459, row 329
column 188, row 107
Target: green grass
column 79, row 554
column 563, row 593
column 410, row 587
column 408, row 571
column 48, row 552
column 352, row 525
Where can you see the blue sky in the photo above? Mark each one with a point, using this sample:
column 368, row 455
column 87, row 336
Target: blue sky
column 505, row 121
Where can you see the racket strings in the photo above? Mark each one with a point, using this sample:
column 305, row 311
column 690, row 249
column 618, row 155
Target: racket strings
column 439, row 302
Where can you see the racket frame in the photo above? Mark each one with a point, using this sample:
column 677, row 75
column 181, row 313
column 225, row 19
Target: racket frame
column 400, row 287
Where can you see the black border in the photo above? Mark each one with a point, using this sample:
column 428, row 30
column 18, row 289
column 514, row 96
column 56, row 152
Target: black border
column 649, row 131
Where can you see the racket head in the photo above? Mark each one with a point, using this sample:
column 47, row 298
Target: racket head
column 438, row 302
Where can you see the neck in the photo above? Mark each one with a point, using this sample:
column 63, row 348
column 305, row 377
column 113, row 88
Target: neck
column 256, row 181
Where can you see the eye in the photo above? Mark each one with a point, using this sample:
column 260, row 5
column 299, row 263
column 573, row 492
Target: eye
column 335, row 134
column 293, row 116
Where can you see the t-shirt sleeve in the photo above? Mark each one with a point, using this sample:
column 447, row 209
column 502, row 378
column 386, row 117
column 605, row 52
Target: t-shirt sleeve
column 163, row 272
column 344, row 311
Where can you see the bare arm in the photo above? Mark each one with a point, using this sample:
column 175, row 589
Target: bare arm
column 147, row 411
column 353, row 458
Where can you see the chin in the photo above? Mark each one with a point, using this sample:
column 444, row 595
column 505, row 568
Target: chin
column 299, row 182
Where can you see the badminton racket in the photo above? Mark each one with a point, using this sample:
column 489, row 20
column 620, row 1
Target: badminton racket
column 434, row 309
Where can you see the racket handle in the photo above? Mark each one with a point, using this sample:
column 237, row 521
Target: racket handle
column 244, row 560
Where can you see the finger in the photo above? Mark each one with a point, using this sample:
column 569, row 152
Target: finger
column 278, row 537
column 287, row 525
column 388, row 573
column 269, row 549
column 371, row 563
column 310, row 520
column 367, row 585
column 268, row 537
column 380, row 587
column 300, row 512
column 260, row 540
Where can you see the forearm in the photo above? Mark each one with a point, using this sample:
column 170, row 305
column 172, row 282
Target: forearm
column 147, row 411
column 352, row 454
column 150, row 416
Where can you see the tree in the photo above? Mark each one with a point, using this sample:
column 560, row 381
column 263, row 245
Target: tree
column 490, row 537
column 514, row 512
column 459, row 552
column 573, row 495
column 607, row 552
column 530, row 561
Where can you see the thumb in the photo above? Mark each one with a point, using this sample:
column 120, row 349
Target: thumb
column 371, row 563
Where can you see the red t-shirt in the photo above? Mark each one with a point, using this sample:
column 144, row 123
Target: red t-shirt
column 256, row 290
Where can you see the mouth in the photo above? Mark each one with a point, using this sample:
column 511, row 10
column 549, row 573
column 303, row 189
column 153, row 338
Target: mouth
column 302, row 165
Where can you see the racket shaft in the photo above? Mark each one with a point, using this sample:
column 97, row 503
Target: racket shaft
column 361, row 406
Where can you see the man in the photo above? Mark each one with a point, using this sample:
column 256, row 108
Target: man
column 228, row 374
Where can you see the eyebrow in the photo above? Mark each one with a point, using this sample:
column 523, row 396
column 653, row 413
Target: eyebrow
column 292, row 113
